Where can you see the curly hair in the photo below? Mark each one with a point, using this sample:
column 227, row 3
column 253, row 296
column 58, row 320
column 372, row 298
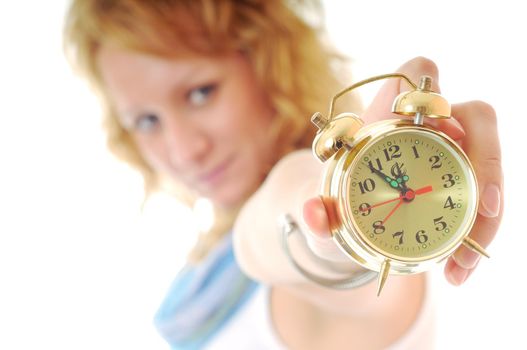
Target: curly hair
column 289, row 54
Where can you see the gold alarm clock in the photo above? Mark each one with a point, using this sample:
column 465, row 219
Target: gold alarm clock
column 400, row 195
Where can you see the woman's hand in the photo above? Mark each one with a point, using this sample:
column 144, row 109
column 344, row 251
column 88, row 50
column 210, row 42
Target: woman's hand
column 257, row 237
column 474, row 127
column 292, row 187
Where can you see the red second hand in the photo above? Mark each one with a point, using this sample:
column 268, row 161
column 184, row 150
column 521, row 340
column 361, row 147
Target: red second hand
column 424, row 190
column 379, row 204
column 408, row 195
column 393, row 211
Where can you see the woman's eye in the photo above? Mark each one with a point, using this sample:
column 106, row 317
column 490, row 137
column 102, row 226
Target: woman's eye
column 200, row 95
column 146, row 122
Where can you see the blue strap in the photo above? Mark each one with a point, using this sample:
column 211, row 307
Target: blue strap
column 203, row 298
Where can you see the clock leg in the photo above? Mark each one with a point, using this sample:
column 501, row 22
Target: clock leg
column 383, row 274
column 474, row 246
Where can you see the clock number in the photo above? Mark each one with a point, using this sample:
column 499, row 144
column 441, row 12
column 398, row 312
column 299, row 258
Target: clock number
column 436, row 163
column 365, row 209
column 399, row 234
column 449, row 203
column 416, row 154
column 378, row 227
column 448, row 178
column 421, row 236
column 440, row 224
column 395, row 152
column 367, row 185
column 378, row 167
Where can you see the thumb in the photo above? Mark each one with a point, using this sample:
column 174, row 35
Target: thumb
column 318, row 233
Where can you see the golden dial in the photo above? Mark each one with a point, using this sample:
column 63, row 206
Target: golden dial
column 411, row 194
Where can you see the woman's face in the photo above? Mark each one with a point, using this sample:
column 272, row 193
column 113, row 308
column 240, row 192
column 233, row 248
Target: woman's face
column 204, row 121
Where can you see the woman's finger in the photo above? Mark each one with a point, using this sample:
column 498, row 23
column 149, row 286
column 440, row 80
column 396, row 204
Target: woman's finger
column 483, row 148
column 316, row 218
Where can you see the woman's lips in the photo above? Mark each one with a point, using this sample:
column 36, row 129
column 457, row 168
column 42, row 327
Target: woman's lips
column 216, row 174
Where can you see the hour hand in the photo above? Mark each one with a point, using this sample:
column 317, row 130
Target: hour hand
column 389, row 180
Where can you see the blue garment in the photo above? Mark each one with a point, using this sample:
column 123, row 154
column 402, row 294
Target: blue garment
column 203, row 298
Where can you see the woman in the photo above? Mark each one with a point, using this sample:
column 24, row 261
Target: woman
column 212, row 98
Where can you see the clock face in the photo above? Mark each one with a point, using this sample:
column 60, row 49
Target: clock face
column 412, row 196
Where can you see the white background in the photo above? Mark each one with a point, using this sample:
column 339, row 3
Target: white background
column 81, row 268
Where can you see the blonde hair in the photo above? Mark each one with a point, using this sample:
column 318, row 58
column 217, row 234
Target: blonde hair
column 291, row 60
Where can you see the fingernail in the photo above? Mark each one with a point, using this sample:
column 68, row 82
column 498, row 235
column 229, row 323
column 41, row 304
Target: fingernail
column 321, row 210
column 490, row 201
column 466, row 258
column 458, row 127
column 458, row 275
column 450, row 126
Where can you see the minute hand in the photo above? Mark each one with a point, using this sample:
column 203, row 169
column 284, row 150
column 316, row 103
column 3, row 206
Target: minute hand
column 392, row 182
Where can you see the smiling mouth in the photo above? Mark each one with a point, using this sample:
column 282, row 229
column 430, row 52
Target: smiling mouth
column 216, row 173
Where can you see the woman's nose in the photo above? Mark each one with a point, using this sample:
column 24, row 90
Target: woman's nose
column 187, row 143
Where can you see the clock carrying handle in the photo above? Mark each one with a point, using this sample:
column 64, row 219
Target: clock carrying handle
column 364, row 82
column 333, row 132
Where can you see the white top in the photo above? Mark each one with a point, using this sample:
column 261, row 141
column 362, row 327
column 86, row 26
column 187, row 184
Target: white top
column 252, row 327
